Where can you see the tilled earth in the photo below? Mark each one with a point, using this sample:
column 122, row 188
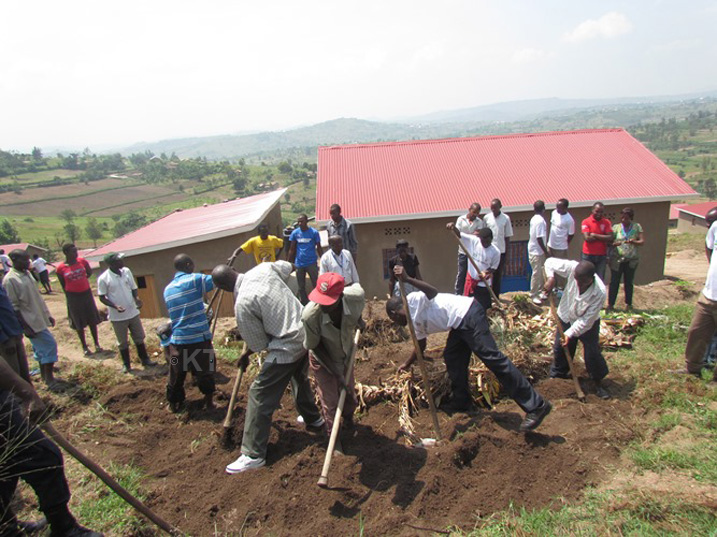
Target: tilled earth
column 483, row 465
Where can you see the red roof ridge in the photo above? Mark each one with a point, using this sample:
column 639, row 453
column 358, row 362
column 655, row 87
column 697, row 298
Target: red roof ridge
column 481, row 138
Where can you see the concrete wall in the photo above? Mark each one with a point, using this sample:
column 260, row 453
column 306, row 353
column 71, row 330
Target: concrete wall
column 437, row 250
column 687, row 223
column 206, row 255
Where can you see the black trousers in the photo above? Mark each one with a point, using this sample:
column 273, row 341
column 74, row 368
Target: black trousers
column 482, row 296
column 473, row 336
column 461, row 273
column 623, row 270
column 197, row 358
column 28, row 454
column 498, row 275
column 594, row 360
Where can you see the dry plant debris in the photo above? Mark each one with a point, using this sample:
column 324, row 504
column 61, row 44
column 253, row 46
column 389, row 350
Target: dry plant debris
column 523, row 331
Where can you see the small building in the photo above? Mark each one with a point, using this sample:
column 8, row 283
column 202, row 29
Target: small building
column 209, row 235
column 412, row 189
column 691, row 218
column 675, row 214
column 29, row 248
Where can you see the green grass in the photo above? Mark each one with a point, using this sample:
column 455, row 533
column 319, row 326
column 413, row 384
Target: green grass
column 43, row 176
column 676, row 241
column 101, row 509
column 699, row 460
column 667, row 401
column 34, row 228
column 602, row 513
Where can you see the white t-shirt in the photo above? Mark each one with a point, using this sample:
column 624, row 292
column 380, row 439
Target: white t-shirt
column 538, row 229
column 710, row 289
column 443, row 313
column 5, row 261
column 40, row 265
column 466, row 226
column 342, row 264
column 118, row 288
column 485, row 258
column 501, row 227
column 561, row 226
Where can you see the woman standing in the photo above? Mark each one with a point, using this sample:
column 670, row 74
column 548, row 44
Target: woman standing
column 627, row 240
column 73, row 275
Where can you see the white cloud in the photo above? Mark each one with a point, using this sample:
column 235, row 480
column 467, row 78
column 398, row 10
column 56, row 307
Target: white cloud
column 608, row 26
column 529, row 55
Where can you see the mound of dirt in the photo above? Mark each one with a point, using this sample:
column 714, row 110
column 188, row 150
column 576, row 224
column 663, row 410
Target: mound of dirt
column 482, row 466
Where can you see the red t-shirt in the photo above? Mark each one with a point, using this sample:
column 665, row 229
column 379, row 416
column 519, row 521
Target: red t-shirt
column 601, row 227
column 75, row 275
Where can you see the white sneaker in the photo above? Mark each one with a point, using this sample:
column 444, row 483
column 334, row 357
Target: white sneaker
column 537, row 301
column 318, row 423
column 244, row 463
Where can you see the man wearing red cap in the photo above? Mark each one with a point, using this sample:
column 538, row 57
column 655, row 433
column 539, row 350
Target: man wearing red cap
column 330, row 320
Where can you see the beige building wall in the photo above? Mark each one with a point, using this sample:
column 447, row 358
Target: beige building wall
column 687, row 223
column 206, row 255
column 437, row 249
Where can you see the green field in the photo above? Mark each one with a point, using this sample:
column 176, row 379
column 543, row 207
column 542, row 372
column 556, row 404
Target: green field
column 27, row 179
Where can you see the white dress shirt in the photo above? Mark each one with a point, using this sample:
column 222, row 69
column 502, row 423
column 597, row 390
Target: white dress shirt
column 340, row 264
column 580, row 311
column 710, row 289
column 443, row 313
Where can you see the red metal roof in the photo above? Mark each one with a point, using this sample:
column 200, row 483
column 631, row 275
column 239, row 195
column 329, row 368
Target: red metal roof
column 698, row 209
column 405, row 180
column 190, row 226
column 19, row 246
column 10, row 247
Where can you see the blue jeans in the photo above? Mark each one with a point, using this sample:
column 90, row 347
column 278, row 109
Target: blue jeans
column 600, row 262
column 45, row 347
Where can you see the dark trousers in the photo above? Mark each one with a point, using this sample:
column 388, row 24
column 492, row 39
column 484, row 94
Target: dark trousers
column 28, row 454
column 600, row 262
column 498, row 275
column 473, row 335
column 594, row 360
column 482, row 296
column 623, row 270
column 13, row 351
column 197, row 358
column 461, row 273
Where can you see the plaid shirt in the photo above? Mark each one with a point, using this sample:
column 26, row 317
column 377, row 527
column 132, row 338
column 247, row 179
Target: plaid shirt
column 268, row 314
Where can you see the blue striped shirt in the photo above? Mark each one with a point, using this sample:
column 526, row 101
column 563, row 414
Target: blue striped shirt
column 184, row 297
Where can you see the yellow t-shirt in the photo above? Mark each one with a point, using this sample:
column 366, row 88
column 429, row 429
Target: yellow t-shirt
column 263, row 250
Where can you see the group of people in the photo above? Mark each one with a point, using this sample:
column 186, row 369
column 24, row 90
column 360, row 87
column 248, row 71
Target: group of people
column 26, row 452
column 581, row 282
column 318, row 336
column 314, row 332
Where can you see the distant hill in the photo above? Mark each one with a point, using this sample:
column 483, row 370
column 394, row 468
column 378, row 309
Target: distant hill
column 533, row 108
column 502, row 118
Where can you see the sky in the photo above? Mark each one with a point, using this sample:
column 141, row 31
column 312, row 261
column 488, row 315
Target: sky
column 99, row 74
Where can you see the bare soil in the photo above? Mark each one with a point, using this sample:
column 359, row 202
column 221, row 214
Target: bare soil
column 483, row 465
